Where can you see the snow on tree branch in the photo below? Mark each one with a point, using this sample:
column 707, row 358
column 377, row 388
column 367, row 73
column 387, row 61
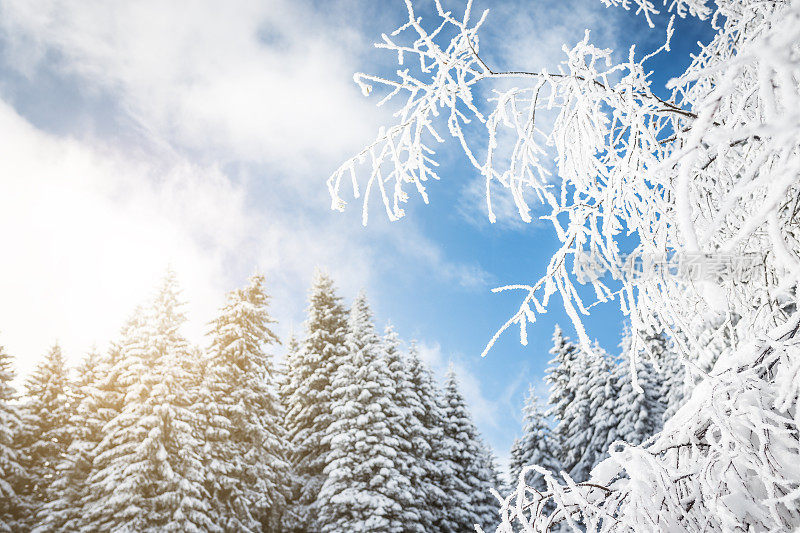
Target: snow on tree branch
column 703, row 180
column 684, row 174
column 713, row 468
column 695, row 8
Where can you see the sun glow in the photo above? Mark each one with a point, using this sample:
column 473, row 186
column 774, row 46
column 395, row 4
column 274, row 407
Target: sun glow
column 95, row 245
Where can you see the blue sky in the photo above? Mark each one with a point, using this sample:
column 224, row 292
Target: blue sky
column 133, row 135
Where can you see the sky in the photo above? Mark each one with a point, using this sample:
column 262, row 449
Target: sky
column 198, row 135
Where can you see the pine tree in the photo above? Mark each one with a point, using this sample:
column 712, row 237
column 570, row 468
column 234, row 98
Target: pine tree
column 488, row 474
column 12, row 473
column 97, row 399
column 473, row 469
column 147, row 474
column 535, row 447
column 639, row 414
column 603, row 391
column 564, row 372
column 406, row 424
column 559, row 374
column 433, row 467
column 246, row 446
column 281, row 369
column 671, row 373
column 365, row 488
column 307, row 395
column 62, row 510
column 582, row 402
column 516, row 462
column 575, row 429
column 46, row 435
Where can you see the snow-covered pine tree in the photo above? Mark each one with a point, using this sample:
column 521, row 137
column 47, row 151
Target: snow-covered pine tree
column 147, row 474
column 245, row 444
column 473, row 469
column 639, row 414
column 535, row 447
column 515, row 464
column 434, row 465
column 97, row 399
column 366, row 488
column 12, row 473
column 412, row 461
column 46, row 434
column 307, row 396
column 104, row 401
column 62, row 510
column 581, row 398
column 484, row 502
column 560, row 375
column 603, row 394
column 671, row 372
column 282, row 378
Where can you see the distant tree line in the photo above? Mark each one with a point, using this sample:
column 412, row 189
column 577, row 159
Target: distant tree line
column 594, row 401
column 350, row 433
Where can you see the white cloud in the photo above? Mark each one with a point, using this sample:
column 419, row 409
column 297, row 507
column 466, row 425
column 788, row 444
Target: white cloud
column 534, row 42
column 264, row 81
column 87, row 228
column 86, row 234
column 91, row 220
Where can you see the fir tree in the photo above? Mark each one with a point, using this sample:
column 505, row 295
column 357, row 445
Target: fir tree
column 562, row 373
column 365, row 488
column 582, row 401
column 46, row 436
column 516, row 462
column 639, row 414
column 281, row 370
column 12, row 473
column 473, row 469
column 559, row 373
column 535, row 447
column 603, row 394
column 62, row 510
column 488, row 476
column 434, row 466
column 671, row 373
column 245, row 446
column 307, row 395
column 406, row 424
column 147, row 474
column 98, row 399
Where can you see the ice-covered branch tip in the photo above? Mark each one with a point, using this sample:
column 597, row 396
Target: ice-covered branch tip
column 695, row 8
column 438, row 83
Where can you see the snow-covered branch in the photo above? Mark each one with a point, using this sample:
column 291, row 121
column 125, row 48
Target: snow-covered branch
column 725, row 462
column 684, row 174
column 710, row 173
